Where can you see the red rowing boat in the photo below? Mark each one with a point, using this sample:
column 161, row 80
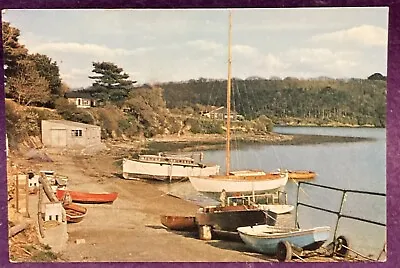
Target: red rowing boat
column 83, row 197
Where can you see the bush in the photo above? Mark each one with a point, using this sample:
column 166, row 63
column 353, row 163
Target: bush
column 205, row 126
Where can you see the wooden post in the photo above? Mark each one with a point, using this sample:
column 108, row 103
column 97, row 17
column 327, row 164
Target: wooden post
column 16, row 193
column 205, row 232
column 27, row 196
column 40, row 220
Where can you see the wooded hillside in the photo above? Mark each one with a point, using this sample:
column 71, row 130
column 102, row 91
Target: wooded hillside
column 324, row 101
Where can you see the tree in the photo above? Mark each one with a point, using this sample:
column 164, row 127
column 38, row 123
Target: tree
column 13, row 50
column 27, row 86
column 111, row 82
column 148, row 108
column 50, row 71
column 377, row 76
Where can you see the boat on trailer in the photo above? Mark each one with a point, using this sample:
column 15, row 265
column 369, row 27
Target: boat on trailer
column 87, row 197
column 166, row 167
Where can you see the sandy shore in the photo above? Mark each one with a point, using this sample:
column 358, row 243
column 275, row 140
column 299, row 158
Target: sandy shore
column 129, row 230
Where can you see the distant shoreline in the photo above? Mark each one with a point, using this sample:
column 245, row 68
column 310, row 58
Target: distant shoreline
column 204, row 142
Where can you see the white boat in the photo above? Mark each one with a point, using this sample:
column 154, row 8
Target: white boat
column 166, row 167
column 243, row 184
column 265, row 238
column 242, row 181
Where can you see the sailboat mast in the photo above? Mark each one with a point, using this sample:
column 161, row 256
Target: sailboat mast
column 228, row 99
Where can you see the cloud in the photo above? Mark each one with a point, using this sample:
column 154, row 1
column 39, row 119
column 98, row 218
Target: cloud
column 322, row 61
column 245, row 50
column 365, row 34
column 89, row 49
column 205, row 45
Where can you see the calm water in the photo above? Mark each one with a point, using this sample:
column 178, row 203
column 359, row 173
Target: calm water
column 353, row 166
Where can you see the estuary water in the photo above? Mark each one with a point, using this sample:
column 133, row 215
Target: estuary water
column 351, row 166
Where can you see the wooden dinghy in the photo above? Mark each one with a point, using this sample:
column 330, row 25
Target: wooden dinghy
column 74, row 212
column 179, row 223
column 301, row 174
column 89, row 198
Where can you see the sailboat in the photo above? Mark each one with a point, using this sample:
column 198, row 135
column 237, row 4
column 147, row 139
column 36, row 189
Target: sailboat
column 241, row 181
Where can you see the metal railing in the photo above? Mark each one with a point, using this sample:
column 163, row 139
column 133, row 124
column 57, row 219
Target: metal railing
column 339, row 213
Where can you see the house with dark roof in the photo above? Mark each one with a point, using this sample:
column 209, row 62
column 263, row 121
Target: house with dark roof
column 81, row 99
column 221, row 113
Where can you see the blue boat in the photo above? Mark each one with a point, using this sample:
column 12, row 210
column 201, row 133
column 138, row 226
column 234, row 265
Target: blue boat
column 266, row 239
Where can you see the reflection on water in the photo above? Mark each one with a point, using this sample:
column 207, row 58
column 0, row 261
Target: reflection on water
column 353, row 166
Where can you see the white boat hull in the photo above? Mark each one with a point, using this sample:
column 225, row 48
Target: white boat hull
column 211, row 185
column 265, row 238
column 133, row 169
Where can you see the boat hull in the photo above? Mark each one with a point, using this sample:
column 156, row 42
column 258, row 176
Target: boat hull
column 74, row 213
column 212, row 186
column 179, row 223
column 133, row 169
column 230, row 218
column 88, row 198
column 265, row 239
column 301, row 174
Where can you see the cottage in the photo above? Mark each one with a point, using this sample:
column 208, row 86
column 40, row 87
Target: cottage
column 81, row 99
column 62, row 133
column 52, row 211
column 220, row 113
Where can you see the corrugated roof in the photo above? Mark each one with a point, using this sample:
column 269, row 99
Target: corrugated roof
column 70, row 123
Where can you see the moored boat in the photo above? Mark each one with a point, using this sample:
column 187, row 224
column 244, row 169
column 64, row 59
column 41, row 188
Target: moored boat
column 240, row 181
column 265, row 238
column 86, row 197
column 166, row 167
column 74, row 213
column 301, row 174
column 244, row 182
column 179, row 223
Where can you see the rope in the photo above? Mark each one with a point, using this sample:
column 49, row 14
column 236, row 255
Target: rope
column 358, row 253
column 297, row 256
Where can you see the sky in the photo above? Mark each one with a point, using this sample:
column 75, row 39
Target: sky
column 176, row 45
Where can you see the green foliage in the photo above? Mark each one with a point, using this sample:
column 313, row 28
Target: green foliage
column 111, row 84
column 205, row 126
column 50, row 71
column 22, row 122
column 147, row 106
column 26, row 86
column 377, row 76
column 71, row 112
column 12, row 49
column 289, row 101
